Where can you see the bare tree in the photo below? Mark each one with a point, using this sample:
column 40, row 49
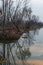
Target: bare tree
column 14, row 26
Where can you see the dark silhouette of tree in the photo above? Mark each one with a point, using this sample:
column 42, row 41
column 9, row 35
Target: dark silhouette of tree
column 16, row 21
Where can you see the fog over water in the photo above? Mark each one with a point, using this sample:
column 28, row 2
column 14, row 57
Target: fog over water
column 37, row 48
column 39, row 36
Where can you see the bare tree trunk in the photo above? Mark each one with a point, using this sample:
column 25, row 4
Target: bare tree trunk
column 4, row 50
column 3, row 28
column 8, row 46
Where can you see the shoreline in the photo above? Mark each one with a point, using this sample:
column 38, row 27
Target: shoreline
column 35, row 62
column 31, row 62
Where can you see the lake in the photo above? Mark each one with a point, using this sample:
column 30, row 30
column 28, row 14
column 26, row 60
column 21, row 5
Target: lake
column 37, row 48
column 36, row 58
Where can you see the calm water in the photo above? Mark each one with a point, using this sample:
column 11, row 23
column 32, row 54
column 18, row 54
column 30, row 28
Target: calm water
column 39, row 36
column 37, row 48
column 36, row 57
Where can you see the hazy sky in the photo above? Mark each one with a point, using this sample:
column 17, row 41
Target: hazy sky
column 37, row 7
